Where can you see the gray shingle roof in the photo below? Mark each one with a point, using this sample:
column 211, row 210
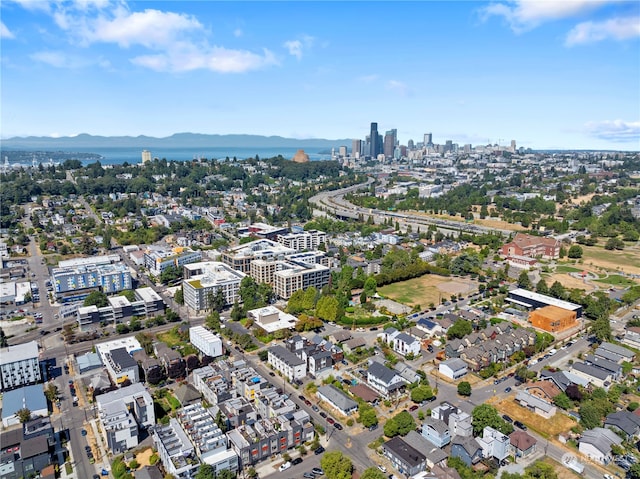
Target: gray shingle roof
column 337, row 397
column 381, row 372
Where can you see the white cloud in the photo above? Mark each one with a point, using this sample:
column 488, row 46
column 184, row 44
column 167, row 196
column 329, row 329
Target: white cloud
column 59, row 59
column 176, row 42
column 368, row 78
column 217, row 59
column 524, row 15
column 238, row 32
column 621, row 28
column 294, row 47
column 5, row 32
column 617, row 130
column 297, row 47
column 399, row 87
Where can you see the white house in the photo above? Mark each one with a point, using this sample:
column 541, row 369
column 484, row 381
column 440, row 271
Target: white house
column 404, row 344
column 596, row 444
column 383, row 379
column 205, row 341
column 290, row 365
column 453, row 368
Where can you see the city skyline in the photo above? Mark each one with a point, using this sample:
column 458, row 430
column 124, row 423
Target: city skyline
column 551, row 75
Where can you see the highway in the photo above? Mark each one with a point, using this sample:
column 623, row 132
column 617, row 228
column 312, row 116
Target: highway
column 333, row 202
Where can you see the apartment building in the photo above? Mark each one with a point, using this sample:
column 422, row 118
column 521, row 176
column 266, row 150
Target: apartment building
column 147, row 303
column 122, row 412
column 213, row 276
column 157, row 260
column 205, row 341
column 75, row 282
column 240, row 257
column 19, row 366
column 307, row 240
column 290, row 365
column 117, row 357
column 297, row 275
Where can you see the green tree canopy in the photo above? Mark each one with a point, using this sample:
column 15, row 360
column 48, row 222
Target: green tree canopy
column 464, row 388
column 373, row 473
column 400, row 424
column 96, row 298
column 459, row 329
column 336, row 465
column 487, row 415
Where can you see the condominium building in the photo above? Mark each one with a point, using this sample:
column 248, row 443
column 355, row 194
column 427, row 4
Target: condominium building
column 307, row 240
column 147, row 303
column 72, row 283
column 290, row 365
column 158, row 260
column 298, row 275
column 240, row 257
column 205, row 341
column 121, row 412
column 117, row 356
column 200, row 289
column 19, row 366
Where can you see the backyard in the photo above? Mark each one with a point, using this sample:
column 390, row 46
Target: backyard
column 559, row 423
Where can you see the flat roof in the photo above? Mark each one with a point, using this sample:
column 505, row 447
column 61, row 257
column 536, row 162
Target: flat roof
column 147, row 294
column 19, row 352
column 545, row 299
column 31, row 397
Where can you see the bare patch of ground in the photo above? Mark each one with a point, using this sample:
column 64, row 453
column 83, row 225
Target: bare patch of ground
column 568, row 281
column 547, row 427
column 457, row 287
column 144, row 457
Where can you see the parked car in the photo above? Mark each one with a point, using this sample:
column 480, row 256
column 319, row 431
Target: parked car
column 338, row 426
column 83, row 432
column 284, row 466
column 319, row 450
column 296, row 461
column 519, row 425
column 308, row 475
column 382, row 468
column 330, row 420
column 317, row 470
column 507, row 418
column 413, row 408
column 323, row 414
column 507, row 389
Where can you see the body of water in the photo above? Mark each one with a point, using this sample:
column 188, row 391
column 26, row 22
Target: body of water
column 119, row 155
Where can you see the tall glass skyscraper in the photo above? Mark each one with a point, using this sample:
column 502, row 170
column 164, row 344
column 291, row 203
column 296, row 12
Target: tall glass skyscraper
column 375, row 143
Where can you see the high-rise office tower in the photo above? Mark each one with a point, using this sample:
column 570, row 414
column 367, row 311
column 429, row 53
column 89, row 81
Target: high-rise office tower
column 428, row 139
column 375, row 143
column 448, row 147
column 356, row 148
column 513, row 145
column 342, row 151
column 146, row 156
column 410, row 145
column 389, row 143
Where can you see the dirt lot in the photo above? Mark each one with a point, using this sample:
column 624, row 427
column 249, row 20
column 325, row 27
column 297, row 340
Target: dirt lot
column 144, row 456
column 547, row 427
column 569, row 281
column 582, row 199
column 424, row 290
column 561, row 471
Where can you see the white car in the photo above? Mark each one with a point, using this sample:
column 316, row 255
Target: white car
column 284, row 466
column 382, row 468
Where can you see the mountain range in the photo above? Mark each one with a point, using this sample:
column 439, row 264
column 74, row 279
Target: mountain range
column 177, row 140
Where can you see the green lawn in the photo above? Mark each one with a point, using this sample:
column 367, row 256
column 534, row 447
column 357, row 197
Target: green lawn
column 567, row 269
column 617, row 280
column 171, row 338
column 627, row 257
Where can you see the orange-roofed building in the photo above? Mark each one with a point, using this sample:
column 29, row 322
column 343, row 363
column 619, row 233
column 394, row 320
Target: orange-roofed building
column 553, row 319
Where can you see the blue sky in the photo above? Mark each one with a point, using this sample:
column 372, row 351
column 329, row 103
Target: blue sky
column 550, row 74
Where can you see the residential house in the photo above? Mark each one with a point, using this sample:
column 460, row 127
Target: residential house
column 337, row 399
column 340, row 336
column 404, row 344
column 625, row 422
column 606, row 365
column 615, row 353
column 632, row 337
column 596, row 444
column 522, row 444
column 494, row 444
column 459, row 422
column 290, row 365
column 436, row 432
column 407, row 460
column 407, row 373
column 536, row 404
column 545, row 390
column 352, row 344
column 384, row 380
column 434, row 455
column 467, row 449
column 428, row 326
column 454, row 368
column 595, row 376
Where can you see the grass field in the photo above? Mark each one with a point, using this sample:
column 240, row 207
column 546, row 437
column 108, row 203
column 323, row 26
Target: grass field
column 171, row 338
column 627, row 260
column 617, row 280
column 568, row 269
column 546, row 427
column 422, row 291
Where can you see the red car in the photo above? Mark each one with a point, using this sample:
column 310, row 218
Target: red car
column 330, row 420
column 413, row 408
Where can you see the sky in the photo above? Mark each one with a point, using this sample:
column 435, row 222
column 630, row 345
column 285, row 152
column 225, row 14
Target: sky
column 548, row 74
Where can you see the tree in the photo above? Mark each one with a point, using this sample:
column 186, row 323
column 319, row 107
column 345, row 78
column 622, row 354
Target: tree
column 542, row 287
column 51, row 392
column 400, row 424
column 601, row 329
column 523, row 280
column 575, row 252
column 179, row 296
column 487, row 415
column 557, row 290
column 464, row 388
column 225, row 474
column 328, row 308
column 634, row 471
column 589, row 415
column 421, row 393
column 540, row 470
column 236, row 311
column 212, row 321
column 206, row 471
column 367, row 415
column 336, row 465
column 3, row 339
column 373, row 473
column 563, row 401
column 459, row 329
column 96, row 298
column 24, row 415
